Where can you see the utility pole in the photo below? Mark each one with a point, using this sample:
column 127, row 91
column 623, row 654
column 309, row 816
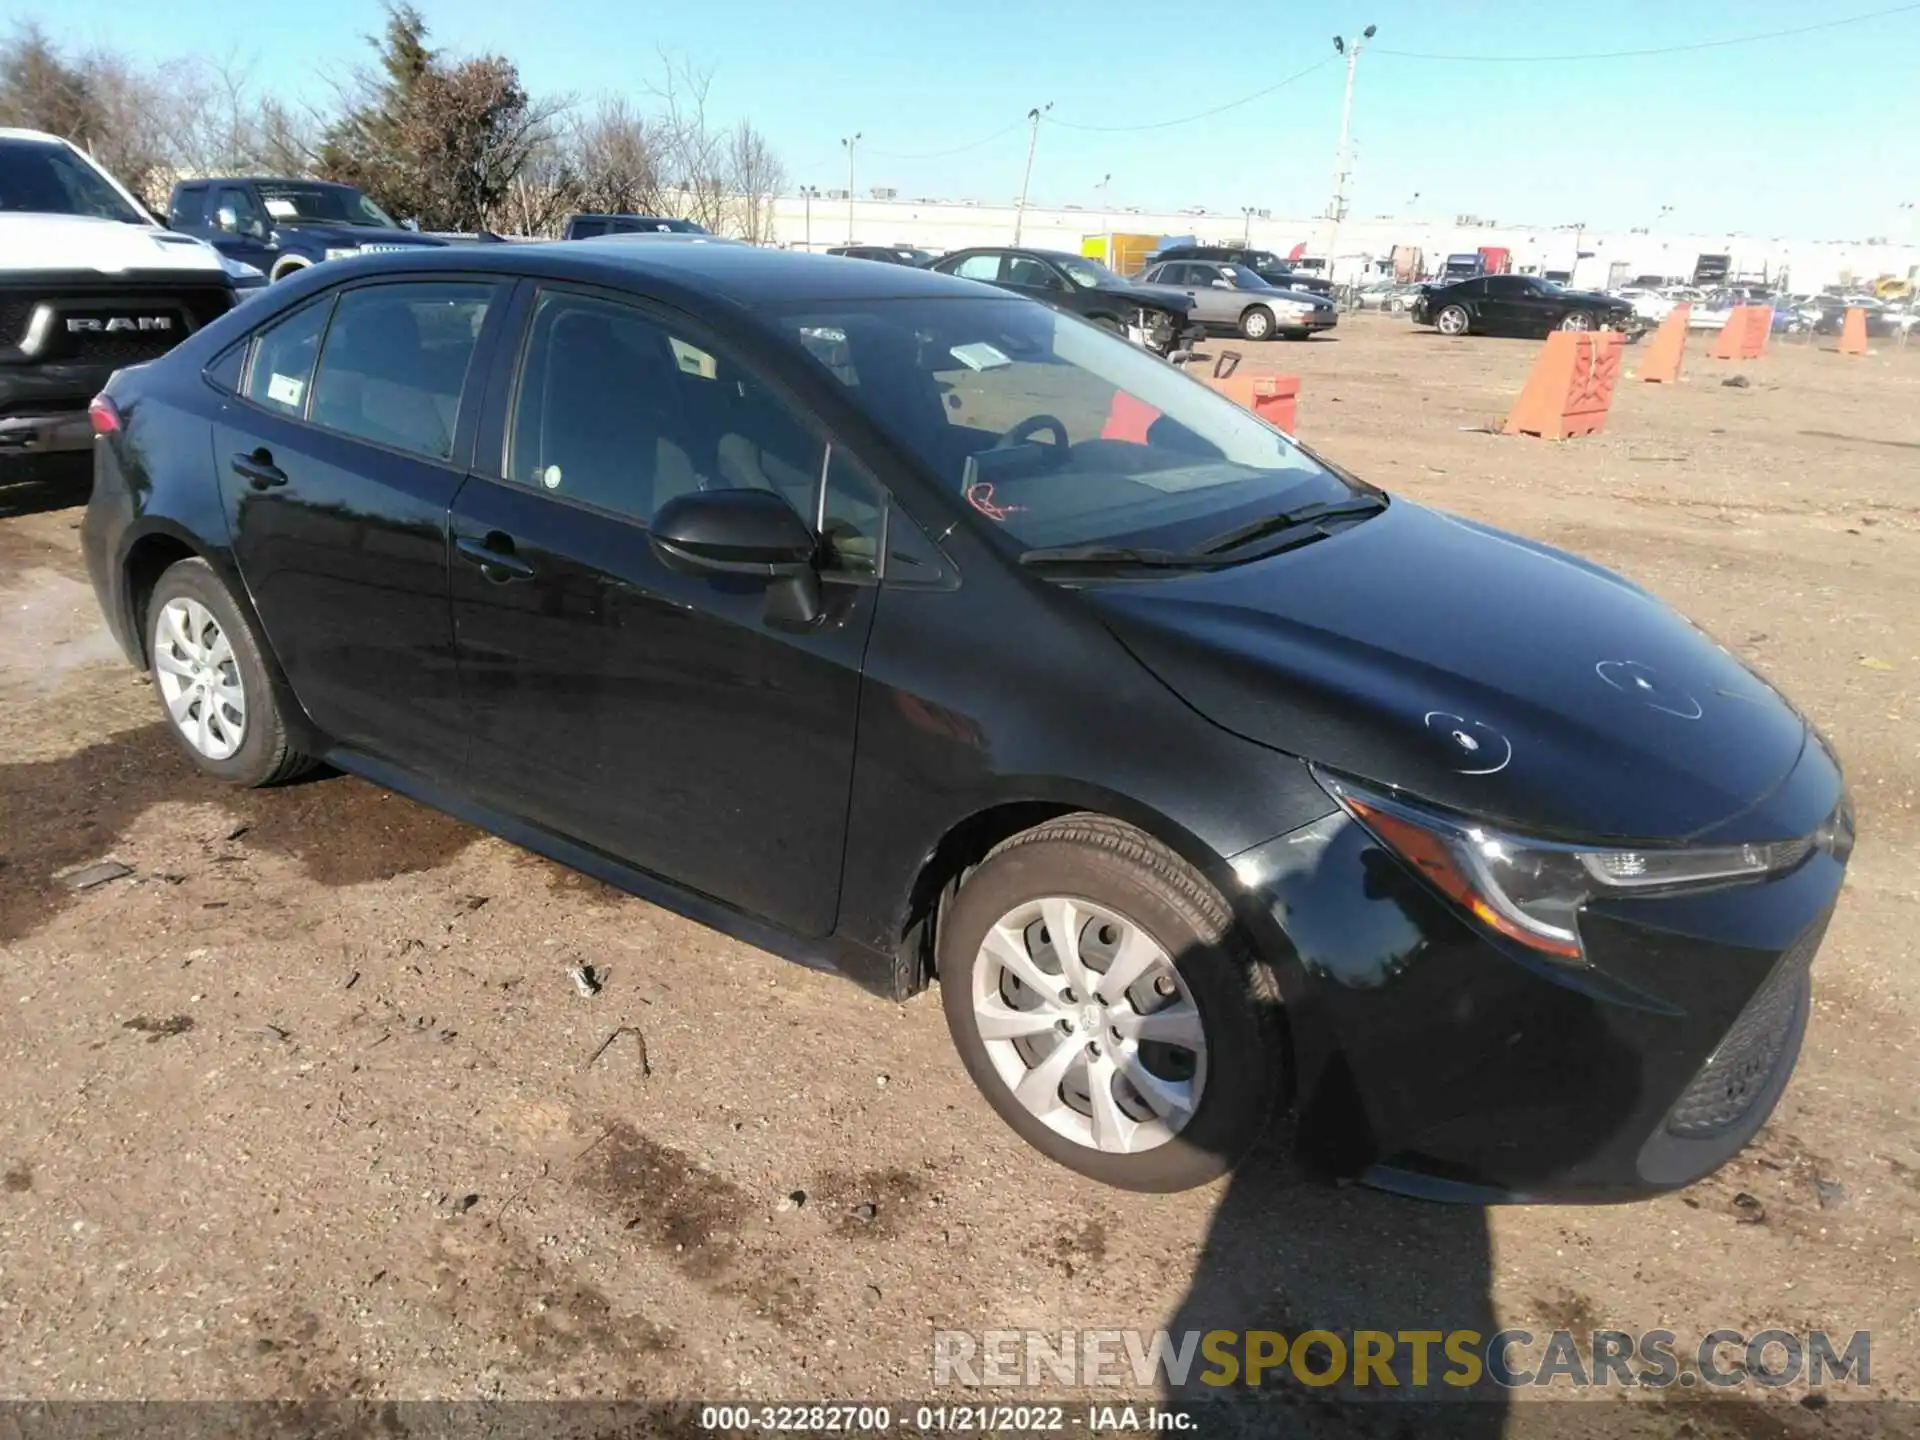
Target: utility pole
column 807, row 193
column 851, row 142
column 1033, row 141
column 1343, row 156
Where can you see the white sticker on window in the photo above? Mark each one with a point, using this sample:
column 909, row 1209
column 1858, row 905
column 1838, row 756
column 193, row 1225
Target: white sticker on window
column 979, row 356
column 286, row 389
column 550, row 477
column 282, row 209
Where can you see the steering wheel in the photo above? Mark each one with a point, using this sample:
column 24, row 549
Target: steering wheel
column 1027, row 428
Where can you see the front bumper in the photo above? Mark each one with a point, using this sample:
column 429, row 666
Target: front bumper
column 1310, row 323
column 1436, row 1059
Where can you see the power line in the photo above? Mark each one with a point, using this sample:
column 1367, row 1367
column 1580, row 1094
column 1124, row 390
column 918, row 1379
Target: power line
column 956, row 150
column 1204, row 114
column 1656, row 50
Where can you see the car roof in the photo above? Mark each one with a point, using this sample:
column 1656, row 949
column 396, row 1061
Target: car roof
column 744, row 275
column 204, row 180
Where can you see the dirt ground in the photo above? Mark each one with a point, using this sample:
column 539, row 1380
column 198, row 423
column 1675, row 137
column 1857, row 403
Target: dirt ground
column 306, row 1104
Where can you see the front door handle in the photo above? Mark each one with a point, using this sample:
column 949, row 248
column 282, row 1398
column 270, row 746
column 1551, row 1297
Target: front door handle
column 256, row 467
column 494, row 554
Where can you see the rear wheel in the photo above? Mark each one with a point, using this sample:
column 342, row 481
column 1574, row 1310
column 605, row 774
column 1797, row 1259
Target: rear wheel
column 1098, row 998
column 1452, row 320
column 213, row 680
column 1257, row 323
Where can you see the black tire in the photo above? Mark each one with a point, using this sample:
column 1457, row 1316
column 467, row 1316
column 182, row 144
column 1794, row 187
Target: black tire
column 1098, row 859
column 1256, row 323
column 266, row 755
column 1462, row 321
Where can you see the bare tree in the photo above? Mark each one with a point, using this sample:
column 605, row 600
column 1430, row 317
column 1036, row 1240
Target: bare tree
column 754, row 177
column 617, row 157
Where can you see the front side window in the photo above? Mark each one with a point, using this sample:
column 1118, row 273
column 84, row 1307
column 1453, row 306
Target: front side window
column 246, row 215
column 396, row 361
column 1089, row 274
column 189, row 205
column 1034, row 274
column 1051, row 431
column 979, row 267
column 283, row 357
column 615, row 410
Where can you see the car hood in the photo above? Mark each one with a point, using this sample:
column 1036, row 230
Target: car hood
column 366, row 237
column 1481, row 671
column 1164, row 296
column 31, row 241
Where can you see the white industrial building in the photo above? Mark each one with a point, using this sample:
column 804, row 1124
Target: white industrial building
column 1603, row 256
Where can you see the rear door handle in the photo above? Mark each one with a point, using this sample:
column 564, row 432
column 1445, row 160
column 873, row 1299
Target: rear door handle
column 256, row 467
column 494, row 554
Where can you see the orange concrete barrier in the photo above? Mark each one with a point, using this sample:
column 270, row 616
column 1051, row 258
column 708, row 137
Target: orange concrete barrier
column 1571, row 386
column 1853, row 332
column 1757, row 326
column 1667, row 348
column 1129, row 419
column 1726, row 345
column 1273, row 397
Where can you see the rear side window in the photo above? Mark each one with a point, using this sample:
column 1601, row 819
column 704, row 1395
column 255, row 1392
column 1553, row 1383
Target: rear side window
column 283, row 357
column 585, row 228
column 396, row 361
column 189, row 206
column 225, row 370
column 979, row 267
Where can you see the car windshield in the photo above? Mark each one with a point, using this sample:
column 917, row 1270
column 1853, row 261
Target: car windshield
column 1088, row 274
column 323, row 204
column 1244, row 278
column 1056, row 433
column 48, row 179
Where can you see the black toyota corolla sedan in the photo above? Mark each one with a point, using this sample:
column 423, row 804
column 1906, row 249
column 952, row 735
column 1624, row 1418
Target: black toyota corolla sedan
column 911, row 628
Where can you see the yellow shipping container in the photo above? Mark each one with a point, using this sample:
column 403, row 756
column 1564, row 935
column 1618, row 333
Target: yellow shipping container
column 1123, row 254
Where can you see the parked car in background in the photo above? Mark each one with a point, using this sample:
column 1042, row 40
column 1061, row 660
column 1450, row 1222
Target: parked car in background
column 885, row 254
column 1392, row 296
column 919, row 631
column 280, row 226
column 1264, row 263
column 1153, row 318
column 89, row 282
column 588, row 227
column 1520, row 305
column 1226, row 296
column 1650, row 305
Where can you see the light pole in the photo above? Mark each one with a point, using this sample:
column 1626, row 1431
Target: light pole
column 1246, row 235
column 1343, row 156
column 807, row 192
column 1033, row 142
column 1103, row 187
column 851, row 142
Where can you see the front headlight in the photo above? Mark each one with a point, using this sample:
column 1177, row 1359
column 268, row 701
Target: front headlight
column 341, row 252
column 1531, row 891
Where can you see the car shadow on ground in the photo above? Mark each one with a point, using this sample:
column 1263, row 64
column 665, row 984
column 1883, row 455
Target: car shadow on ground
column 32, row 484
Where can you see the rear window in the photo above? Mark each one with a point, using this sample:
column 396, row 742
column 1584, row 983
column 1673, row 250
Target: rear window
column 39, row 177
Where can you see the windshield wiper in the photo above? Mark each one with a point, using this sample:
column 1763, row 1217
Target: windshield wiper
column 1064, row 556
column 1286, row 520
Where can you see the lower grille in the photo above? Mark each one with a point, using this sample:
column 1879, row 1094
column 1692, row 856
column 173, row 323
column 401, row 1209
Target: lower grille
column 1730, row 1083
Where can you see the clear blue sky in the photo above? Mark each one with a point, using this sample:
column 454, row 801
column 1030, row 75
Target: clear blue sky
column 1806, row 137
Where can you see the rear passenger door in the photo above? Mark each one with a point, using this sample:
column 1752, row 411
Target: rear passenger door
column 660, row 717
column 338, row 458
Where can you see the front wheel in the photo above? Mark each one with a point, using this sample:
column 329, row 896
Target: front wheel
column 1257, row 323
column 1577, row 320
column 1098, row 998
column 211, row 674
column 1452, row 320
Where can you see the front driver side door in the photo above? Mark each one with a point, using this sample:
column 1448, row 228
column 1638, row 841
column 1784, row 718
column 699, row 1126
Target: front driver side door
column 666, row 719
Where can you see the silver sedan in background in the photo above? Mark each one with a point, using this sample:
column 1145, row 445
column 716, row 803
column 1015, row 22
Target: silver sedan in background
column 1231, row 297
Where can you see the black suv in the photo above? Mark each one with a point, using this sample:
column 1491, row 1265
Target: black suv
column 1264, row 263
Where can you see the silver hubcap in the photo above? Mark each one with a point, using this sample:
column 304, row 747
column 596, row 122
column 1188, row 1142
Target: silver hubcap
column 1452, row 322
column 1256, row 326
column 1576, row 322
column 1090, row 1025
column 199, row 678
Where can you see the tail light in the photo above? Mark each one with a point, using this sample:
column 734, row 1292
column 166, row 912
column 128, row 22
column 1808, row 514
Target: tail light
column 104, row 414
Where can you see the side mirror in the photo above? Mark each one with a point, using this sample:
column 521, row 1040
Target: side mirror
column 410, row 223
column 1223, row 284
column 749, row 533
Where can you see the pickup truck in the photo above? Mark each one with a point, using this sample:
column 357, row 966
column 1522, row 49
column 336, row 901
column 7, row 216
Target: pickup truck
column 281, row 226
column 90, row 283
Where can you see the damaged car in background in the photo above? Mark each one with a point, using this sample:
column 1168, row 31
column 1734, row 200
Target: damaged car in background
column 1153, row 319
column 915, row 630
